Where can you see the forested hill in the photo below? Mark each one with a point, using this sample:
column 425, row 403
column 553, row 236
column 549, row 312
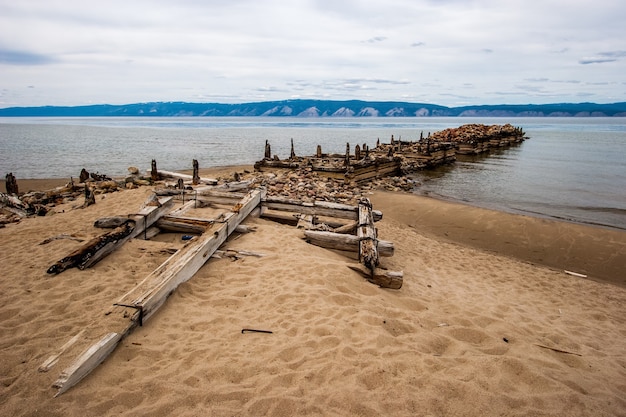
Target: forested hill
column 321, row 108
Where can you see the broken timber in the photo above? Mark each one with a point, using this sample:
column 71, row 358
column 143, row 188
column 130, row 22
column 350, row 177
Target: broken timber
column 100, row 246
column 145, row 299
column 345, row 242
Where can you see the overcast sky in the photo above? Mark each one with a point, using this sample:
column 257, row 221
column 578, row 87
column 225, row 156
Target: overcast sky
column 449, row 52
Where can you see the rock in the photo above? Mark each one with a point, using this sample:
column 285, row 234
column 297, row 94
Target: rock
column 133, row 170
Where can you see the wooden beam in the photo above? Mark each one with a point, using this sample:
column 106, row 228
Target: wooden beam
column 185, row 177
column 345, row 242
column 368, row 251
column 317, row 208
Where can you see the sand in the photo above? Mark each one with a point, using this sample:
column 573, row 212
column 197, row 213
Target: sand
column 468, row 334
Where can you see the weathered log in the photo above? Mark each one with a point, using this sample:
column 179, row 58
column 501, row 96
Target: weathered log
column 180, row 227
column 185, row 177
column 99, row 247
column 368, row 252
column 81, row 256
column 345, row 242
column 347, row 228
column 380, row 277
column 317, row 208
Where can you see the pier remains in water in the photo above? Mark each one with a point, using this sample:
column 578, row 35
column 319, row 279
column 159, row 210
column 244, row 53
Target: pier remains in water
column 398, row 157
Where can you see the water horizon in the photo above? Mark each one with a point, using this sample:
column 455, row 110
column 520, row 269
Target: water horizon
column 571, row 169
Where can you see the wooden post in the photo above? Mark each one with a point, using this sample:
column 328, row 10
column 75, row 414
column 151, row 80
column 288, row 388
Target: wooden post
column 368, row 251
column 90, row 198
column 319, row 151
column 11, row 184
column 357, row 152
column 154, row 173
column 268, row 150
column 196, row 175
column 84, row 175
column 292, row 154
column 347, row 160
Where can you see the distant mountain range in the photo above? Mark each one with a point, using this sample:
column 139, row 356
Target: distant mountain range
column 321, row 108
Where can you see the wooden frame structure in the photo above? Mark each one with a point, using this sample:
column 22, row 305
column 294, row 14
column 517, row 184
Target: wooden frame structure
column 140, row 303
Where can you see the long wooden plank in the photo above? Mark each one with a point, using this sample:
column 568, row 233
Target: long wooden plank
column 186, row 177
column 86, row 362
column 317, row 208
column 145, row 299
column 345, row 242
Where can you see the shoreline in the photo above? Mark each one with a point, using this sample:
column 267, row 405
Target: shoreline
column 486, row 332
column 597, row 251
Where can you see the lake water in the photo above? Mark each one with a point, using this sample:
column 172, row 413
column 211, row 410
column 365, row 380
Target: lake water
column 570, row 169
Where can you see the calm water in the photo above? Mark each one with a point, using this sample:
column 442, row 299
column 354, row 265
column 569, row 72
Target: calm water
column 571, row 169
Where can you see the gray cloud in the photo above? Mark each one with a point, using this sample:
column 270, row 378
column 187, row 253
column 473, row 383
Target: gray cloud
column 11, row 57
column 587, row 61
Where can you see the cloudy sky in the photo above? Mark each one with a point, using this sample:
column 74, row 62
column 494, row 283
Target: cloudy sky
column 449, row 52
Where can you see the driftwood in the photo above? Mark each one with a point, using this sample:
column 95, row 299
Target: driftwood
column 345, row 242
column 53, row 359
column 145, row 299
column 81, row 257
column 169, row 225
column 99, row 247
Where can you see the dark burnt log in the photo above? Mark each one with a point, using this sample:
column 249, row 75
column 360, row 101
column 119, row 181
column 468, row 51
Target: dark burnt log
column 81, row 257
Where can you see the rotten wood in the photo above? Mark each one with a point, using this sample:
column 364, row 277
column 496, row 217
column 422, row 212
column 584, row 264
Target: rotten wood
column 185, row 177
column 170, row 225
column 99, row 247
column 82, row 256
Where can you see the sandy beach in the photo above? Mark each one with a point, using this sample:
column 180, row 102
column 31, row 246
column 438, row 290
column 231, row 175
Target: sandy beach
column 486, row 323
